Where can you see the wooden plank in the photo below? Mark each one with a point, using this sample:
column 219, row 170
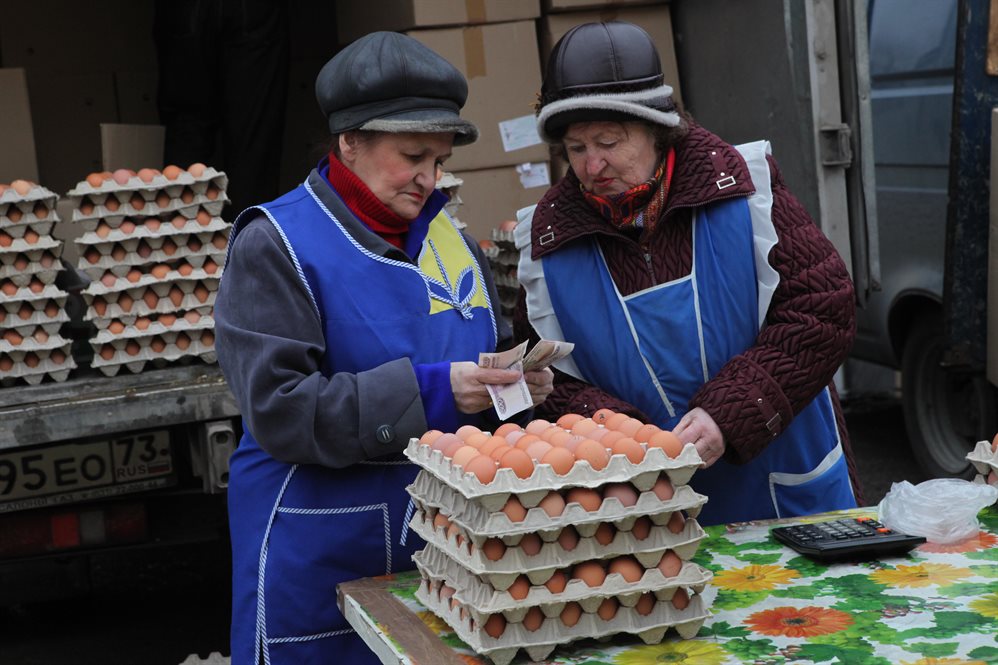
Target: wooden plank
column 421, row 646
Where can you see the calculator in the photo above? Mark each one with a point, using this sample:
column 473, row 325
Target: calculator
column 853, row 538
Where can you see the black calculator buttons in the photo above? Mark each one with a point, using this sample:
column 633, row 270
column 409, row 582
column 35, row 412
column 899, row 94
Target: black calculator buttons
column 857, row 538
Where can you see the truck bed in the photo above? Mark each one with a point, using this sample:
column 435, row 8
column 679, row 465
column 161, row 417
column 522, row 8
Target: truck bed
column 96, row 405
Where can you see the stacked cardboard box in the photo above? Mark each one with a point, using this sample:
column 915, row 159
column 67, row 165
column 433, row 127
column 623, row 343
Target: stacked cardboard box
column 154, row 245
column 528, row 550
column 33, row 307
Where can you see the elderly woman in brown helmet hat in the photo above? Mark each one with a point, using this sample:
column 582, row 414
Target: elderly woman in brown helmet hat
column 699, row 294
column 349, row 320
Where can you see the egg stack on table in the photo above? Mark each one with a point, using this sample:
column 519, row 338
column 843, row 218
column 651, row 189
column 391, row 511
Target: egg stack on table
column 503, row 259
column 33, row 306
column 558, row 532
column 984, row 459
column 153, row 244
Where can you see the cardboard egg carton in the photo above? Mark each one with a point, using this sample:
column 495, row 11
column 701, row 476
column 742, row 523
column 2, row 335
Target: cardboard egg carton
column 135, row 353
column 27, row 205
column 21, row 267
column 531, row 490
column 20, row 245
column 53, row 359
column 156, row 182
column 27, row 314
column 137, row 205
column 147, row 301
column 32, row 291
column 984, row 461
column 37, row 339
column 17, row 231
column 539, row 644
column 148, row 227
column 153, row 328
column 481, row 599
column 504, row 239
column 146, row 281
column 552, row 556
column 113, row 258
column 481, row 523
column 159, row 322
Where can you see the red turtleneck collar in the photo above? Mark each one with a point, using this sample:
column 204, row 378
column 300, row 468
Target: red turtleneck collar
column 363, row 203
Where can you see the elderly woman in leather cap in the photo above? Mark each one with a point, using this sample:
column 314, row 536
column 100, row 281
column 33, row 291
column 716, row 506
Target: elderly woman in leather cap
column 350, row 319
column 698, row 292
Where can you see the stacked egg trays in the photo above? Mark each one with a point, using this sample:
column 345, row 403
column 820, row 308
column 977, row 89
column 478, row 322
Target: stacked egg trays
column 33, row 308
column 503, row 259
column 984, row 459
column 154, row 245
column 541, row 536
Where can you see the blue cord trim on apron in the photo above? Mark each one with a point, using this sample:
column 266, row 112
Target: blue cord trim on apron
column 261, row 608
column 696, row 303
column 409, row 509
column 309, row 638
column 383, row 507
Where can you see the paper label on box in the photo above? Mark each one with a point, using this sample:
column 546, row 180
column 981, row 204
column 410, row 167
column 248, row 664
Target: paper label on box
column 534, row 174
column 519, row 133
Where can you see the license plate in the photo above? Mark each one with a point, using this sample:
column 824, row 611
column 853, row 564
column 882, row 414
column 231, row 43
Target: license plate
column 78, row 471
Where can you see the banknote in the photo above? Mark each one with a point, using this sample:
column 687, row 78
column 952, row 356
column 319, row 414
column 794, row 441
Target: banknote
column 512, row 398
column 546, row 352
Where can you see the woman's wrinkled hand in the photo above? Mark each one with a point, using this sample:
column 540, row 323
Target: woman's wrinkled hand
column 468, row 381
column 540, row 383
column 698, row 428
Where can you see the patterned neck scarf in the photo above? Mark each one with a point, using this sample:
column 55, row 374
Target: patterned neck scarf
column 641, row 205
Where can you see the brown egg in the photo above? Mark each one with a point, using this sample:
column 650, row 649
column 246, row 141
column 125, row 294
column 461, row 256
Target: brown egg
column 144, row 250
column 116, row 327
column 642, row 527
column 25, row 312
column 599, row 433
column 160, row 270
column 57, row 356
column 454, row 534
column 99, row 305
column 127, row 227
column 157, row 344
column 51, row 309
column 463, row 455
column 566, row 421
column 132, row 348
column 9, row 288
column 627, row 447
column 493, row 549
column 86, row 207
column 143, row 322
column 122, row 176
column 491, row 444
column 91, row 255
column 571, row 614
column 150, row 298
column 560, row 460
column 495, row 626
column 176, row 296
column 992, row 478
column 588, row 498
column 95, row 180
column 560, row 438
column 182, row 342
column 484, row 468
column 196, row 169
column 514, row 510
column 203, row 217
column 623, row 492
column 645, row 432
column 107, row 352
column 464, row 431
column 608, row 608
column 207, row 338
column 31, row 359
column 201, row 293
column 630, row 427
column 133, row 275
column 14, row 214
column 168, row 247
column 167, row 319
column 513, row 438
column 568, row 538
column 676, row 522
column 537, row 426
column 476, row 441
column 994, row 444
column 553, row 504
column 531, row 544
column 7, row 241
column 212, row 192
column 663, row 488
column 210, row 267
column 452, row 448
column 533, row 619
column 102, row 230
column 40, row 336
column 645, row 604
column 681, row 599
column 112, row 203
column 192, row 316
column 519, row 588
column 40, row 210
column 557, row 582
column 601, row 416
column 504, row 429
column 185, row 269
column 171, row 172
column 627, row 567
column 605, row 533
column 152, row 224
column 538, row 449
column 125, row 302
column 614, row 420
column 584, row 426
column 430, row 436
column 445, row 441
column 187, row 195
column 670, row 564
column 147, row 175
column 22, row 187
column 440, row 521
column 549, row 432
column 667, row 441
column 178, row 221
column 498, row 451
column 137, row 202
column 590, row 572
column 21, row 262
column 31, row 236
column 592, row 452
column 12, row 337
column 108, row 279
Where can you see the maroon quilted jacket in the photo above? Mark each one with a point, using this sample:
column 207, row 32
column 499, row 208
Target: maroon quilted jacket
column 809, row 328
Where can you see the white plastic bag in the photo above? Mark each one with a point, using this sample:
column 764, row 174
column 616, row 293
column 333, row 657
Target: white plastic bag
column 944, row 510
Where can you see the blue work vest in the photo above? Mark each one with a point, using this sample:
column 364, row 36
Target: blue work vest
column 299, row 530
column 657, row 347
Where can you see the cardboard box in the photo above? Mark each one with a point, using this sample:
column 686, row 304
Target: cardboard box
column 551, row 6
column 654, row 19
column 132, row 146
column 500, row 61
column 17, row 138
column 490, row 196
column 355, row 18
column 992, row 298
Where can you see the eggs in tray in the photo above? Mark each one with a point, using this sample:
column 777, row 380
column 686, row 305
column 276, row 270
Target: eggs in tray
column 32, row 307
column 545, row 534
column 153, row 244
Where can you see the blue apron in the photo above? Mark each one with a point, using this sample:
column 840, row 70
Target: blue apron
column 668, row 340
column 299, row 530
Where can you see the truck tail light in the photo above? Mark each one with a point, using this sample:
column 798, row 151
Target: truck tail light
column 56, row 530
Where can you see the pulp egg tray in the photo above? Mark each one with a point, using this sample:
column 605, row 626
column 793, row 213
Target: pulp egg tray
column 147, row 303
column 14, row 231
column 24, row 215
column 983, row 460
column 24, row 316
column 38, row 290
column 97, row 266
column 145, row 282
column 149, row 227
column 552, row 556
column 481, row 523
column 22, row 246
column 135, row 354
column 138, row 206
column 481, row 599
column 12, row 347
column 153, row 329
column 21, row 267
column 37, row 193
column 503, row 237
column 539, row 644
column 209, row 176
column 507, row 278
column 531, row 490
column 161, row 322
column 17, row 366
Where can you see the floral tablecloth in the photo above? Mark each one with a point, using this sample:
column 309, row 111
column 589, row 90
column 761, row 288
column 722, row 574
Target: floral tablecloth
column 936, row 606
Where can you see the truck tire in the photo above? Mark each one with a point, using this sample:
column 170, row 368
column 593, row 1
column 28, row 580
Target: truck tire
column 946, row 411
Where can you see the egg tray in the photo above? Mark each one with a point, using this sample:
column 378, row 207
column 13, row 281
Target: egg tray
column 18, row 229
column 121, row 267
column 16, row 352
column 531, row 490
column 504, row 239
column 188, row 209
column 539, row 644
column 181, row 325
column 480, row 523
column 11, row 303
column 142, row 230
column 984, row 461
column 16, row 320
column 33, row 271
column 552, row 556
column 102, row 322
column 159, row 182
column 138, row 307
column 36, row 194
column 135, row 363
column 20, row 271
column 481, row 599
column 160, row 287
column 45, row 367
column 21, row 246
column 491, row 252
